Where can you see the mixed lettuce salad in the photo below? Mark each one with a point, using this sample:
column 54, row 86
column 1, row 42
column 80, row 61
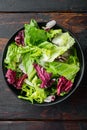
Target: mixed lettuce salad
column 42, row 62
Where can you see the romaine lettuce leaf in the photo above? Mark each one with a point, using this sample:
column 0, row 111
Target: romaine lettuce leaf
column 33, row 51
column 28, row 56
column 51, row 51
column 63, row 69
column 12, row 57
column 28, row 65
column 34, row 35
column 64, row 40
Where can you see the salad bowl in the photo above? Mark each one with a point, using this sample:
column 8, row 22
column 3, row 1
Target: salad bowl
column 78, row 77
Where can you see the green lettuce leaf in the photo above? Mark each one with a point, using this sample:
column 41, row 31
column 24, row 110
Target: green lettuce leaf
column 51, row 51
column 34, row 93
column 34, row 35
column 33, row 23
column 29, row 55
column 33, row 51
column 53, row 33
column 63, row 69
column 64, row 40
column 28, row 65
column 12, row 57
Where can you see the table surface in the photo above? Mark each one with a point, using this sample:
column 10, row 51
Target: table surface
column 17, row 114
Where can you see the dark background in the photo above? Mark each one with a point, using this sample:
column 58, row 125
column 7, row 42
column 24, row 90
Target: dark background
column 43, row 5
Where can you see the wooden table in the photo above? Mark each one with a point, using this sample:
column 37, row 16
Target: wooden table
column 68, row 115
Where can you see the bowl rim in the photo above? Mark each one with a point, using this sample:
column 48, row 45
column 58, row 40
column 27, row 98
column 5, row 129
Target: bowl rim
column 82, row 66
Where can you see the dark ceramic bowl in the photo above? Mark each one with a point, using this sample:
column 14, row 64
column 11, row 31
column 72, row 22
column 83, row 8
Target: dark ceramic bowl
column 78, row 76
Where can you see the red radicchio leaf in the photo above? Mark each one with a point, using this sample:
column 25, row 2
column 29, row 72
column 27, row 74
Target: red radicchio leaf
column 19, row 39
column 64, row 85
column 11, row 76
column 16, row 82
column 44, row 76
column 19, row 82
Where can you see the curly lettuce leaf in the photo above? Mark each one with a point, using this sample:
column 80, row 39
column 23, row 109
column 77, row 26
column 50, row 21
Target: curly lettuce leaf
column 53, row 33
column 34, row 93
column 33, row 23
column 12, row 57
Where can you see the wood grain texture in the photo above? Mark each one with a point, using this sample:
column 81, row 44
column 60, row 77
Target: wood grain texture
column 43, row 5
column 12, row 108
column 42, row 125
column 9, row 23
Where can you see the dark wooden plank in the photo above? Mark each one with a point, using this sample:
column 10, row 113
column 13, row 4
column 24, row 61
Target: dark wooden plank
column 11, row 22
column 12, row 108
column 41, row 125
column 43, row 5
